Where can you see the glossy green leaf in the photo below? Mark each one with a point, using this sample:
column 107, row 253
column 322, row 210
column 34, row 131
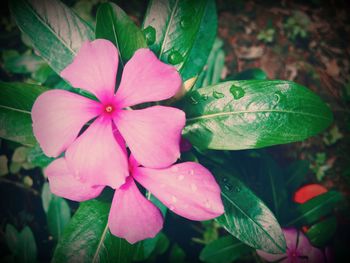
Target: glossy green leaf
column 12, row 238
column 320, row 234
column 37, row 157
column 223, row 250
column 46, row 196
column 114, row 24
column 238, row 115
column 317, row 207
column 87, row 238
column 58, row 215
column 54, row 30
column 16, row 102
column 247, row 218
column 181, row 32
column 26, row 249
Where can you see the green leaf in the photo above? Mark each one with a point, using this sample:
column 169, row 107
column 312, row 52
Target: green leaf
column 247, row 218
column 223, row 250
column 114, row 24
column 16, row 102
column 26, row 249
column 12, row 238
column 55, row 31
column 181, row 32
column 296, row 174
column 46, row 196
column 250, row 114
column 177, row 254
column 320, row 234
column 87, row 238
column 37, row 157
column 58, row 215
column 317, row 207
column 22, row 64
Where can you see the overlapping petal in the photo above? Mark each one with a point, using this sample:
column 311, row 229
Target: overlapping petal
column 146, row 79
column 307, row 250
column 132, row 216
column 64, row 184
column 152, row 134
column 58, row 116
column 96, row 157
column 271, row 257
column 94, row 68
column 188, row 189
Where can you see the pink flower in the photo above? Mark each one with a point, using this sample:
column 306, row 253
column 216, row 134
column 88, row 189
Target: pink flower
column 188, row 189
column 152, row 134
column 299, row 249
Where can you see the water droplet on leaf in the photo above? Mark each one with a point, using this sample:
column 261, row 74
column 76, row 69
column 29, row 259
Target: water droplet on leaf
column 237, row 92
column 193, row 100
column 218, row 95
column 150, row 35
column 224, row 179
column 277, row 97
column 175, row 57
column 186, row 22
column 237, row 189
column 228, row 187
column 204, row 96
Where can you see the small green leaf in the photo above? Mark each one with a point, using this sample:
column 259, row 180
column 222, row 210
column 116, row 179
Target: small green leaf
column 87, row 238
column 26, row 249
column 12, row 238
column 251, row 114
column 113, row 24
column 58, row 215
column 181, row 32
column 16, row 102
column 46, row 196
column 247, row 218
column 320, row 234
column 177, row 254
column 53, row 29
column 223, row 250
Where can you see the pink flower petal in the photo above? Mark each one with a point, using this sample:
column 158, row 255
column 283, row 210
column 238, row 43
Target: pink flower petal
column 132, row 216
column 94, row 68
column 270, row 257
column 64, row 184
column 305, row 248
column 146, row 79
column 97, row 158
column 290, row 235
column 58, row 116
column 152, row 134
column 188, row 189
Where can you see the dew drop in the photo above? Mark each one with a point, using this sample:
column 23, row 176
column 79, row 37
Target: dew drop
column 174, row 199
column 180, row 177
column 186, row 22
column 237, row 189
column 191, row 172
column 172, row 208
column 218, row 95
column 193, row 187
column 175, row 57
column 150, row 35
column 193, row 100
column 277, row 97
column 228, row 187
column 225, row 179
column 204, row 97
column 237, row 92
